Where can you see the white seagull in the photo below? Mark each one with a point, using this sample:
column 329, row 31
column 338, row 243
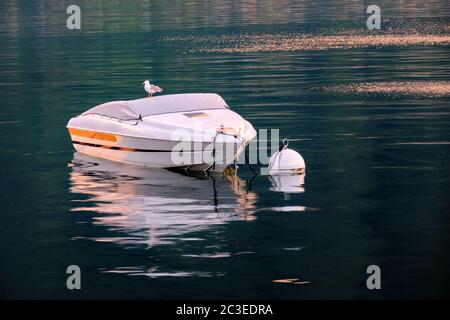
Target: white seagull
column 151, row 88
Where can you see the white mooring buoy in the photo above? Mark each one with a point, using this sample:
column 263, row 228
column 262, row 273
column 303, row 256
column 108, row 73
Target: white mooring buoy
column 286, row 161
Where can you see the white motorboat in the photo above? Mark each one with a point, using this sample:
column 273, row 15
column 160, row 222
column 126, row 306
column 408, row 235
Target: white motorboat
column 195, row 131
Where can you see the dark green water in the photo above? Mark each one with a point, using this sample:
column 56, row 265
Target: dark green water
column 376, row 189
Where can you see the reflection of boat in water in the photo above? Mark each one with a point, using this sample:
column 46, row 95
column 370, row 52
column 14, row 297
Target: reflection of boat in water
column 156, row 206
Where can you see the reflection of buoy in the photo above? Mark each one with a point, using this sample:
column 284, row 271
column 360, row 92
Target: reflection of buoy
column 288, row 183
column 286, row 161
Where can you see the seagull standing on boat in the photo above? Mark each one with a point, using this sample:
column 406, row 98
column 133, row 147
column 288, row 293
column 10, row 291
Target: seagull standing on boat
column 151, row 88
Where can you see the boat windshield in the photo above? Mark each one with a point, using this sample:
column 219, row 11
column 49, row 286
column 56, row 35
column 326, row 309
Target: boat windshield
column 136, row 109
column 119, row 110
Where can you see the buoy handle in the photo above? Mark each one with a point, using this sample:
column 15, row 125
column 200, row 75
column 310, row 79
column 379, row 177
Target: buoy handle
column 283, row 145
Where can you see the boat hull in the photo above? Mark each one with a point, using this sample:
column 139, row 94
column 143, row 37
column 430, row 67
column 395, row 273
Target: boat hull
column 158, row 153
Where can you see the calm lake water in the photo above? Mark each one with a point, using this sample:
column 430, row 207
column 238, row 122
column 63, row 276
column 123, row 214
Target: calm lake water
column 369, row 112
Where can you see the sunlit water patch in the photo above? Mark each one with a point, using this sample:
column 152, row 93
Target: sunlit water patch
column 293, row 42
column 418, row 89
column 396, row 33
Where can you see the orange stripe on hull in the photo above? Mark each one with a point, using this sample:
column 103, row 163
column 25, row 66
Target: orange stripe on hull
column 119, row 148
column 92, row 134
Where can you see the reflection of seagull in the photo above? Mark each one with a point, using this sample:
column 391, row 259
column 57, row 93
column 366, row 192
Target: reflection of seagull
column 151, row 88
